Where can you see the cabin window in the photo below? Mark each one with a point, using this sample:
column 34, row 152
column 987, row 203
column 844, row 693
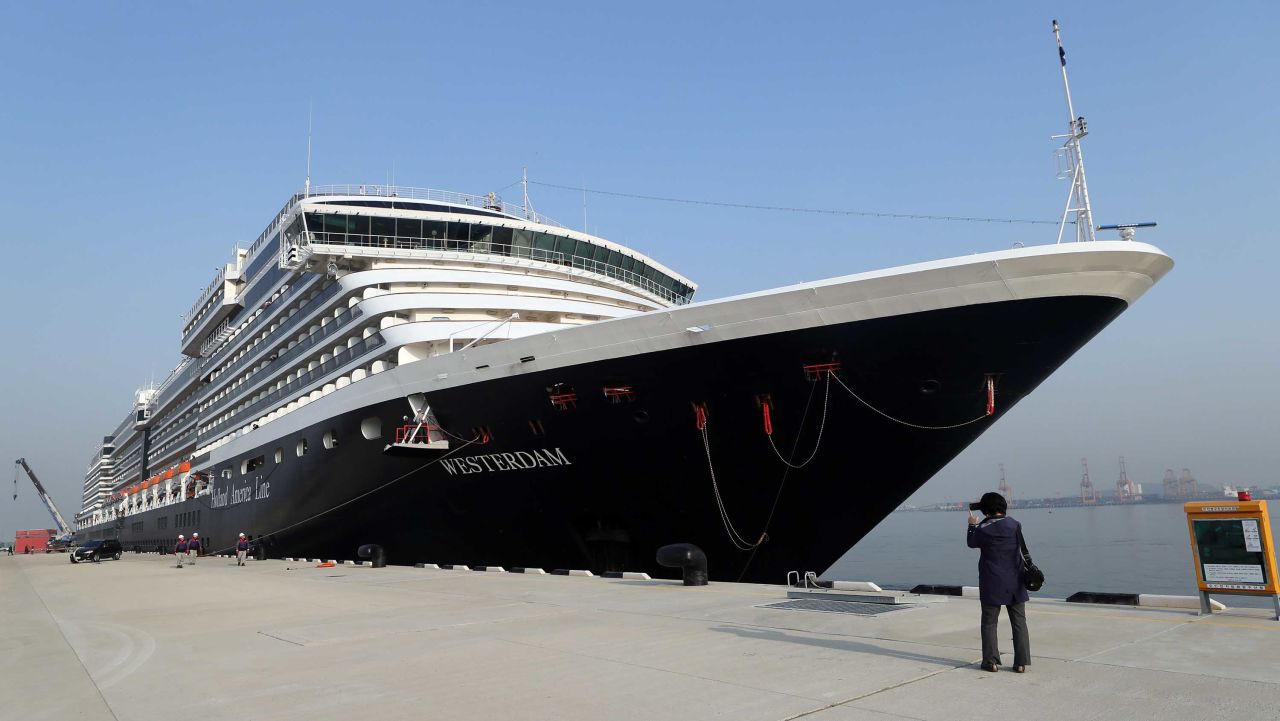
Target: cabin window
column 302, row 447
column 331, row 439
column 279, row 455
column 252, row 464
column 371, row 428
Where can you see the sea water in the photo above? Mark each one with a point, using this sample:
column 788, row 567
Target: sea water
column 1141, row 548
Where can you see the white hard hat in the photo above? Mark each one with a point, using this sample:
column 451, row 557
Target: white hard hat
column 242, row 535
column 181, row 536
column 195, row 535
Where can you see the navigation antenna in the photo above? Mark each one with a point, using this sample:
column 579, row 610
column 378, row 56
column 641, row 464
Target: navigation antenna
column 306, row 188
column 524, row 187
column 1072, row 160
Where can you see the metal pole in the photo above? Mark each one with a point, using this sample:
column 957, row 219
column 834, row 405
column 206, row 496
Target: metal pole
column 1084, row 212
column 1205, row 608
column 1276, row 598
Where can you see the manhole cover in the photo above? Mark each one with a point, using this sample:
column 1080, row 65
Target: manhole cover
column 817, row 604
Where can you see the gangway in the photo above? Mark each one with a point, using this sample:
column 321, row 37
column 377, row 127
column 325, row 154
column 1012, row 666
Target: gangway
column 63, row 539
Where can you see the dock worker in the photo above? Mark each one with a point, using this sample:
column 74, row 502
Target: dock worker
column 194, row 547
column 180, row 549
column 242, row 549
column 1001, row 579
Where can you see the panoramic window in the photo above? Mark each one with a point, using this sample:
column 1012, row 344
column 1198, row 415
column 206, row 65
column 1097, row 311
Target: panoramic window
column 484, row 238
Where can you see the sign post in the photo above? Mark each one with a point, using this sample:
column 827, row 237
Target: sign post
column 1233, row 549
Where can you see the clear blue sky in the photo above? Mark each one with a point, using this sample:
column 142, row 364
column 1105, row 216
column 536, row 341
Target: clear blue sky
column 139, row 143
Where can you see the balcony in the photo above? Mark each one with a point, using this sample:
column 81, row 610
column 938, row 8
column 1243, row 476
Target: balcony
column 218, row 301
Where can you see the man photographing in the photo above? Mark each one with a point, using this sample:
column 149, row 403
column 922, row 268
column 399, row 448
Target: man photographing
column 1001, row 580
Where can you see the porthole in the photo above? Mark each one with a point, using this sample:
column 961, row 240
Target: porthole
column 371, row 428
column 302, row 446
column 279, row 455
column 331, row 439
column 930, row 387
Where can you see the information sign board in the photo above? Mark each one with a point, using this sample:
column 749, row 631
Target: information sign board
column 1233, row 549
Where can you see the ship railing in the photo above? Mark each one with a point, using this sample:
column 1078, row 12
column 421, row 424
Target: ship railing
column 281, row 331
column 487, row 202
column 214, row 286
column 305, row 381
column 523, row 252
column 178, row 379
column 340, row 324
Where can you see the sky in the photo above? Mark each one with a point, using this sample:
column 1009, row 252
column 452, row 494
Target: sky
column 139, row 143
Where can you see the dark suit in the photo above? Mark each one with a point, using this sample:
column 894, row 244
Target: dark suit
column 1000, row 583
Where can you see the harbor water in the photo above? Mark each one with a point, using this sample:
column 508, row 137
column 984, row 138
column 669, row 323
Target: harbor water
column 1140, row 548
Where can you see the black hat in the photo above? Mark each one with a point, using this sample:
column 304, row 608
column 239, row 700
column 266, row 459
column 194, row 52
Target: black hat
column 991, row 504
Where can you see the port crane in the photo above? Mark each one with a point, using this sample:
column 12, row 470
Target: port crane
column 1126, row 491
column 63, row 539
column 1088, row 495
column 1004, row 488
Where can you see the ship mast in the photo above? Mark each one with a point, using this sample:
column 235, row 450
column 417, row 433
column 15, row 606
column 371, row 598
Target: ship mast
column 1078, row 198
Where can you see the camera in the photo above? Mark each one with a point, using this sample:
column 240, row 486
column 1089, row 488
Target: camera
column 975, row 506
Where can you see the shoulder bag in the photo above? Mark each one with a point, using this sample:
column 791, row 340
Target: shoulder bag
column 1032, row 576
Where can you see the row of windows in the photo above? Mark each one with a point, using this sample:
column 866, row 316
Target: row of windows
column 341, row 229
column 319, row 291
column 308, row 343
column 562, row 398
column 329, row 440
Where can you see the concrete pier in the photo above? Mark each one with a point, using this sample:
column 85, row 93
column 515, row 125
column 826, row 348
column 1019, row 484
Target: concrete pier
column 140, row 639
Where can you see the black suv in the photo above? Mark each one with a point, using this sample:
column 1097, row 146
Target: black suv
column 97, row 550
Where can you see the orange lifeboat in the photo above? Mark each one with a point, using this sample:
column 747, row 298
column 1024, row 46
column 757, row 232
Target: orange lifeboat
column 184, row 467
column 169, row 474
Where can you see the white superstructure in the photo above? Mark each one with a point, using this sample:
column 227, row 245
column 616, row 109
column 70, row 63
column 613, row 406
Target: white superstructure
column 303, row 313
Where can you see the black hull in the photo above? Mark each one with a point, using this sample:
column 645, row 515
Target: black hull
column 608, row 483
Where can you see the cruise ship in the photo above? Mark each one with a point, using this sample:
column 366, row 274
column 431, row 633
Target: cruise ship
column 460, row 380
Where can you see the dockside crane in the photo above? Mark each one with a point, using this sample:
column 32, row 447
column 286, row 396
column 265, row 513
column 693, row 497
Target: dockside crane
column 1004, row 488
column 1126, row 491
column 63, row 539
column 1088, row 495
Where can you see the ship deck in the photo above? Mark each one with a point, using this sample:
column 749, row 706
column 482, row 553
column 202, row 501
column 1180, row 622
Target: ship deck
column 139, row 639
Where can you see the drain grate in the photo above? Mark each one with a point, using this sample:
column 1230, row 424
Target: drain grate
column 816, row 604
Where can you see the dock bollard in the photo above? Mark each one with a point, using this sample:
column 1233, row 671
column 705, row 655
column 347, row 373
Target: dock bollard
column 687, row 557
column 372, row 551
